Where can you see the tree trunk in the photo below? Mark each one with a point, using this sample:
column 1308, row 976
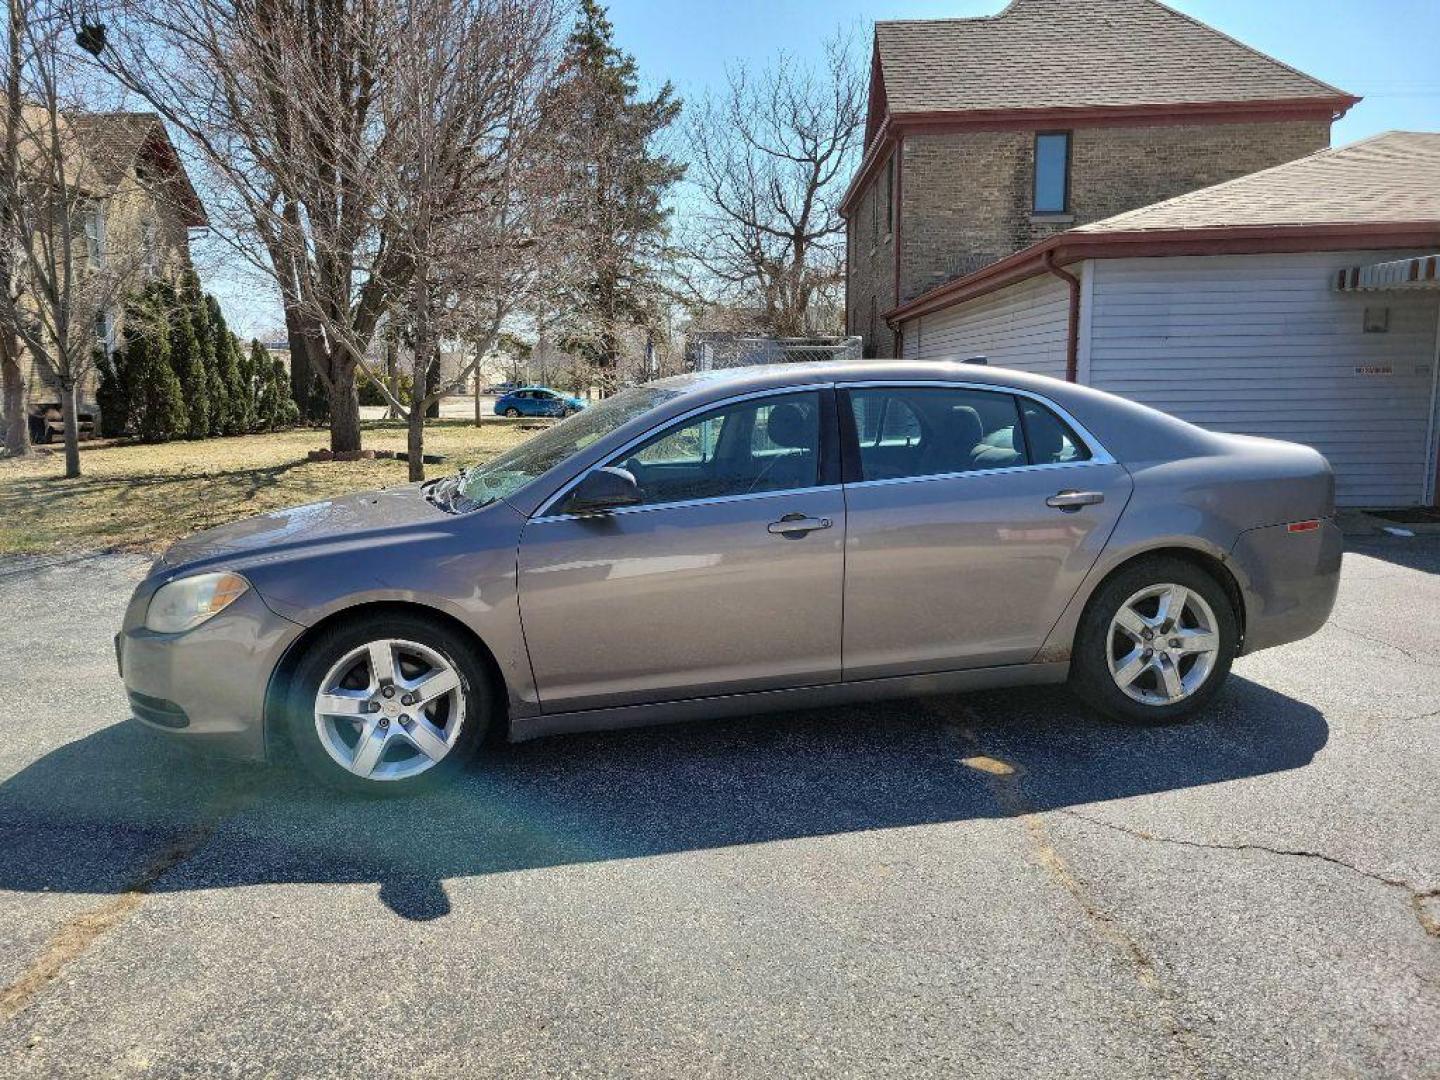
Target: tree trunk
column 415, row 442
column 12, row 404
column 420, row 388
column 301, row 374
column 392, row 375
column 344, row 406
column 68, row 402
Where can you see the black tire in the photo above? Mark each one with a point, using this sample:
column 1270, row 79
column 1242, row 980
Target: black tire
column 512, row 412
column 334, row 643
column 1090, row 675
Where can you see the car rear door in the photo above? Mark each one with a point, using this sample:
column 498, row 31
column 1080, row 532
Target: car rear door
column 973, row 514
column 727, row 578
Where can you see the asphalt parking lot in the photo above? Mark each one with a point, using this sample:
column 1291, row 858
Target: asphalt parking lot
column 992, row 885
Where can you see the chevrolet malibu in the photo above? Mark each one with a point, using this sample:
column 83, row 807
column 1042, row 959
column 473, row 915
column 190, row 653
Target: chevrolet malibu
column 739, row 542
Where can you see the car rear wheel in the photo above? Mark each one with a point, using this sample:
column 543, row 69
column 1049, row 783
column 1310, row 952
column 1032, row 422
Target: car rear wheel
column 1155, row 642
column 388, row 705
column 512, row 411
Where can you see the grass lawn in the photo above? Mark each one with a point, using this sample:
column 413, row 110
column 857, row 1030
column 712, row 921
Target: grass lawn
column 143, row 497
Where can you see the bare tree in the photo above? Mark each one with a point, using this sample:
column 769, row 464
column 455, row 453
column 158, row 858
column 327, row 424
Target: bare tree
column 282, row 100
column 769, row 157
column 12, row 375
column 465, row 184
column 65, row 272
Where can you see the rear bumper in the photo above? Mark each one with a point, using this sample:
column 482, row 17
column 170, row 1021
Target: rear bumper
column 207, row 686
column 1291, row 579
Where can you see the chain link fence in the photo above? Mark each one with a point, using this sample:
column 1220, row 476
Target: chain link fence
column 707, row 352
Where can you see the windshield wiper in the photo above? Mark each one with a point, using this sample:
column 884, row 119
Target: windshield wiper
column 441, row 493
column 446, row 493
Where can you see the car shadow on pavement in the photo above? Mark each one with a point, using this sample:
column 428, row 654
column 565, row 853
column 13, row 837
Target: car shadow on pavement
column 93, row 815
column 1414, row 553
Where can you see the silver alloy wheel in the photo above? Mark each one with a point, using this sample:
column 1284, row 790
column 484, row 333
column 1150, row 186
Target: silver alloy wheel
column 1162, row 644
column 389, row 709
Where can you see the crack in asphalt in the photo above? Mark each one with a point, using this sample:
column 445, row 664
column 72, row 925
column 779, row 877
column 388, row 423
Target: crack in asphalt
column 1007, row 786
column 1418, row 895
column 1373, row 639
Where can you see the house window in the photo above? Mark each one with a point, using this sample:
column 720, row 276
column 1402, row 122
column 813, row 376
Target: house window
column 874, row 215
column 93, row 224
column 890, row 195
column 150, row 252
column 1052, row 172
column 103, row 330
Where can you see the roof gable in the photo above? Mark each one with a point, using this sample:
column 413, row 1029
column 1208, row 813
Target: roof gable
column 1044, row 54
column 115, row 143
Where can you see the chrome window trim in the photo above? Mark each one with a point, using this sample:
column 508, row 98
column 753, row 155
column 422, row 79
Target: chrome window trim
column 968, row 473
column 543, row 515
column 1098, row 454
column 712, row 501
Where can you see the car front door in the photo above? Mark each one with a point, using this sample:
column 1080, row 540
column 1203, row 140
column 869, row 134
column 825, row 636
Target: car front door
column 973, row 516
column 727, row 576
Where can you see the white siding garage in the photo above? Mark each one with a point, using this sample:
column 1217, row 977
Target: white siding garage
column 1021, row 327
column 1227, row 307
column 1263, row 345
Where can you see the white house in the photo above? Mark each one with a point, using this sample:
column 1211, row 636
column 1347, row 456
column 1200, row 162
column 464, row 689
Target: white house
column 1300, row 302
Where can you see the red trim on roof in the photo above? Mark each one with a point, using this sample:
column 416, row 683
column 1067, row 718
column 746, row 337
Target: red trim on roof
column 1151, row 243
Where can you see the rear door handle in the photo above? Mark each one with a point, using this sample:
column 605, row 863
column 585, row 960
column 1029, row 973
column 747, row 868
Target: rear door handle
column 1074, row 500
column 798, row 525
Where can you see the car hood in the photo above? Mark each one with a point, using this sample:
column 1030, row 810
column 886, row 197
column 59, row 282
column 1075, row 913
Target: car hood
column 349, row 519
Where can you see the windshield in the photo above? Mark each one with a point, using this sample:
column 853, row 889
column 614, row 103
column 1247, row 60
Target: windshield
column 512, row 470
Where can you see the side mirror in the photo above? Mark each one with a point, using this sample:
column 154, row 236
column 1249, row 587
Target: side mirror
column 602, row 490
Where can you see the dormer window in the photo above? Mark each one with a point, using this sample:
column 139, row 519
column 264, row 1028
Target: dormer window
column 1052, row 172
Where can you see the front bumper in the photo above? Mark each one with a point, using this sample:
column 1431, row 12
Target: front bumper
column 1291, row 579
column 208, row 685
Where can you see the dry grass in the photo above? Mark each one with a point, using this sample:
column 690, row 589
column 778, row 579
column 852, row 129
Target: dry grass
column 143, row 497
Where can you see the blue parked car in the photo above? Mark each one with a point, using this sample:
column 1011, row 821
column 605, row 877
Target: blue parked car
column 537, row 401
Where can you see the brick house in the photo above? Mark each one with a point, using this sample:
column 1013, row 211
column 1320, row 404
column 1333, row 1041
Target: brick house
column 986, row 135
column 135, row 210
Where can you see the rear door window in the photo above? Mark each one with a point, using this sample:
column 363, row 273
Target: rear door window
column 913, row 431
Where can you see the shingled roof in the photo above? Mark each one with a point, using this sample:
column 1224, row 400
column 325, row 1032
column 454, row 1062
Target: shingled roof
column 1043, row 54
column 113, row 142
column 1383, row 180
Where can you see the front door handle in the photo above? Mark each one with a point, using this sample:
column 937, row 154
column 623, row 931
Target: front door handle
column 1074, row 500
column 798, row 525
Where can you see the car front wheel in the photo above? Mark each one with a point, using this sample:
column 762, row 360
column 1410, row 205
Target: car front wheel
column 512, row 412
column 1155, row 642
column 388, row 705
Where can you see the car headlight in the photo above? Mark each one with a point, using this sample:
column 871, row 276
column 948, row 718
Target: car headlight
column 187, row 602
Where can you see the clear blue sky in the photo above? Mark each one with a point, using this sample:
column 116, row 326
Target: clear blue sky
column 1386, row 51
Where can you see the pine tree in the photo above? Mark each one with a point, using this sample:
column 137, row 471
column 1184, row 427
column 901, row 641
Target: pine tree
column 196, row 304
column 186, row 356
column 113, row 393
column 227, row 349
column 157, row 405
column 285, row 413
column 619, row 179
